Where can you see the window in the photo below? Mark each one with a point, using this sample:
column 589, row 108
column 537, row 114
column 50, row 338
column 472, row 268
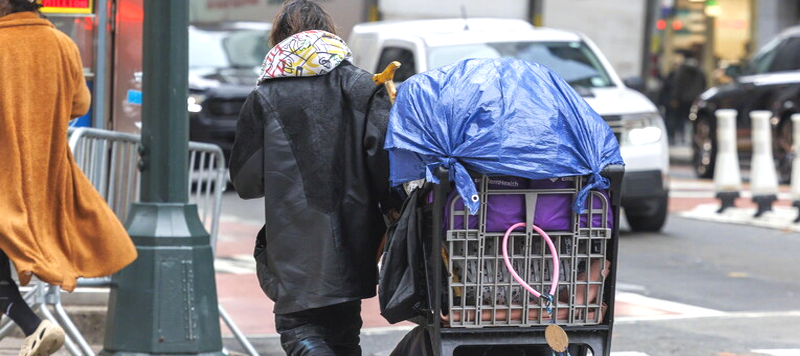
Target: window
column 246, row 48
column 402, row 55
column 227, row 48
column 574, row 61
column 788, row 56
column 763, row 59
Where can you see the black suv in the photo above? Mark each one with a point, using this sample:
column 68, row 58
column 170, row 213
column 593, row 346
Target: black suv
column 224, row 63
column 771, row 81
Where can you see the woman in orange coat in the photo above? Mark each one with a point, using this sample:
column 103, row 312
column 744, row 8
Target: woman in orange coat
column 53, row 224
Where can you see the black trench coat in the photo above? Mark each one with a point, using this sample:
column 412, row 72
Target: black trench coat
column 313, row 148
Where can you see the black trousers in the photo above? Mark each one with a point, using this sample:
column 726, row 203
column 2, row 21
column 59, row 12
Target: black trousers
column 5, row 267
column 329, row 331
column 676, row 121
column 11, row 302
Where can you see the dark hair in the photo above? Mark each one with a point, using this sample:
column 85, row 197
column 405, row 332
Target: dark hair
column 296, row 16
column 22, row 5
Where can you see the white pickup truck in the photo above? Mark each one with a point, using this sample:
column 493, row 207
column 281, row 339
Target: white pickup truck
column 427, row 44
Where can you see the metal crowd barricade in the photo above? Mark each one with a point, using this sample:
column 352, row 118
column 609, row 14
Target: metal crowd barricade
column 110, row 160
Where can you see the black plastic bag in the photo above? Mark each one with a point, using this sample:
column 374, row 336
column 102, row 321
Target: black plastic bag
column 416, row 343
column 401, row 290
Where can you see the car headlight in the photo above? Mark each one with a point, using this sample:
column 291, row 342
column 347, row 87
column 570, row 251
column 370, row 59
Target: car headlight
column 641, row 129
column 195, row 102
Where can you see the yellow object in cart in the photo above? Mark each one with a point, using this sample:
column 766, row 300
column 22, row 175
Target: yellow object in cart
column 386, row 78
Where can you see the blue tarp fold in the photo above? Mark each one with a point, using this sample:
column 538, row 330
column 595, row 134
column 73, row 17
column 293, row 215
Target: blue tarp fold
column 497, row 117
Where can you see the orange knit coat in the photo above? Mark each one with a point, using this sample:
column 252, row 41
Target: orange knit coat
column 53, row 223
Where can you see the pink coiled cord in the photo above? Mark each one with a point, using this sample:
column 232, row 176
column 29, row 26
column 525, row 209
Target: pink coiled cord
column 513, row 272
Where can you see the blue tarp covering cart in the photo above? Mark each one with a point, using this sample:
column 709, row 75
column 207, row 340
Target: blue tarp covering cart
column 496, row 117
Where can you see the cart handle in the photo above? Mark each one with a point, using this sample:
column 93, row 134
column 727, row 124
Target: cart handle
column 387, row 79
column 513, row 272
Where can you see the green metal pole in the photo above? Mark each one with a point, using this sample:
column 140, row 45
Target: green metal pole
column 165, row 128
column 166, row 301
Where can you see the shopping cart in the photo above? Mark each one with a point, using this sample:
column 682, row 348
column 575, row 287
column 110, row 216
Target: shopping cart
column 473, row 302
column 517, row 255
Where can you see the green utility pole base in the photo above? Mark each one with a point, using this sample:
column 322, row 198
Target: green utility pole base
column 166, row 301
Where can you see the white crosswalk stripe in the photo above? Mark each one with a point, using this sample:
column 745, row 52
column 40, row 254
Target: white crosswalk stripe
column 765, row 352
column 778, row 352
column 238, row 264
column 699, row 194
column 682, row 188
column 781, row 218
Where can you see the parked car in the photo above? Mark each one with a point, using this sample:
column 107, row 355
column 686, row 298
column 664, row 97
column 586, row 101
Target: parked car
column 224, row 63
column 771, row 81
column 428, row 44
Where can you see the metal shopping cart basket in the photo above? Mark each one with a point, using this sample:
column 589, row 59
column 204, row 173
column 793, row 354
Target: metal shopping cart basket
column 541, row 173
column 473, row 301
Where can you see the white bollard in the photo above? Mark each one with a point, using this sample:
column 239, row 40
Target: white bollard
column 796, row 163
column 727, row 178
column 763, row 177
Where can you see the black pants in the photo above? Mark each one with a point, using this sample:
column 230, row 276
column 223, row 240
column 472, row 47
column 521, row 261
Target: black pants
column 677, row 119
column 11, row 302
column 329, row 331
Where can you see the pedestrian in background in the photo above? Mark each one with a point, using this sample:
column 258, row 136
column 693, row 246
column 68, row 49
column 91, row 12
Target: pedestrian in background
column 685, row 84
column 310, row 141
column 53, row 224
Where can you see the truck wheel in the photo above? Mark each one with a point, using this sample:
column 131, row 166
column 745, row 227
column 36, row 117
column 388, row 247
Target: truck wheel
column 650, row 223
column 704, row 148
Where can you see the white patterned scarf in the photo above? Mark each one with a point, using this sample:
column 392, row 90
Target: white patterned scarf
column 305, row 54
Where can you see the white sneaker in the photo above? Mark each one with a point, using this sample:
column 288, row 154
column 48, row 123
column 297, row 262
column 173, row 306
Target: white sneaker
column 47, row 339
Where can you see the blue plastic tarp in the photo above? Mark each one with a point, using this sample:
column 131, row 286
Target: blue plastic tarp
column 497, row 117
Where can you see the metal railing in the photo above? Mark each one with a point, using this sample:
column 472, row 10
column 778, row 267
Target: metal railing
column 110, row 160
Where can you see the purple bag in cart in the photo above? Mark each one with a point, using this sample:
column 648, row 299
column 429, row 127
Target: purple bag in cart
column 553, row 211
column 507, row 209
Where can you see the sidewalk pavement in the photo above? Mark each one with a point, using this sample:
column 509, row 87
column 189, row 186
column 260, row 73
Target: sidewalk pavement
column 10, row 347
column 373, row 343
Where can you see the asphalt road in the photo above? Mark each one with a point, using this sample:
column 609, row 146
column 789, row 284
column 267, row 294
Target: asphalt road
column 747, row 277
